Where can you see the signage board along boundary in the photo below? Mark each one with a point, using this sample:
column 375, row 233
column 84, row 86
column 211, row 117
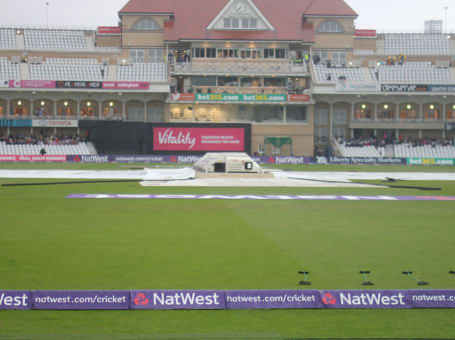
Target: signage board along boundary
column 225, row 299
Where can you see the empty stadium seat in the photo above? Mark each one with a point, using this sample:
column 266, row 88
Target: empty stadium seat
column 413, row 73
column 406, row 150
column 7, row 39
column 150, row 72
column 364, row 151
column 51, row 149
column 331, row 75
column 67, row 69
column 9, row 70
column 55, row 40
column 416, row 44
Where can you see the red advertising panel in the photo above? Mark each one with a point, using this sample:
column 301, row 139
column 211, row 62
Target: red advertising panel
column 126, row 85
column 41, row 84
column 365, row 33
column 198, row 139
column 182, row 97
column 33, row 158
column 299, row 98
column 109, row 30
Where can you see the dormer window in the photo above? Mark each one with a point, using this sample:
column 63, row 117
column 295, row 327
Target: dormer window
column 146, row 24
column 240, row 15
column 231, row 23
column 249, row 23
column 330, row 26
column 240, row 23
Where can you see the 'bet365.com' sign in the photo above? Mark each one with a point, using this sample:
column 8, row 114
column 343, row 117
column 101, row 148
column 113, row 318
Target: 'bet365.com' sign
column 228, row 97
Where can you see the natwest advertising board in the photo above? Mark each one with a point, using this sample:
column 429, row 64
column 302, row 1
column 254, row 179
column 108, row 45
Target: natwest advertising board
column 200, row 138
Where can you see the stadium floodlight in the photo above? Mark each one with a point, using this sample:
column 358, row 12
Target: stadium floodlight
column 419, row 282
column 365, row 281
column 305, row 281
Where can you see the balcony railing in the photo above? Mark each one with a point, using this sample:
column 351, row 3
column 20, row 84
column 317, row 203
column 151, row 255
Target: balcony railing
column 282, row 68
column 234, row 89
column 246, row 90
column 397, row 120
column 397, row 124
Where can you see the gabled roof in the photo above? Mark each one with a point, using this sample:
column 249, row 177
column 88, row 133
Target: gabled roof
column 191, row 18
column 249, row 4
column 330, row 7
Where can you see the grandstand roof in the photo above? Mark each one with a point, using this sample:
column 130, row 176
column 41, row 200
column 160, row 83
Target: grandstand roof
column 191, row 18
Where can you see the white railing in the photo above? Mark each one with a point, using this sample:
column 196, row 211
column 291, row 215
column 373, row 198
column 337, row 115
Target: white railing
column 248, row 68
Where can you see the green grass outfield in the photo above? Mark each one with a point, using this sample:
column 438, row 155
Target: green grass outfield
column 49, row 242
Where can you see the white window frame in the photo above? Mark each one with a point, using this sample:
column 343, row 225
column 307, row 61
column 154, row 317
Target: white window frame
column 146, row 24
column 330, row 26
column 240, row 23
column 137, row 55
column 156, row 55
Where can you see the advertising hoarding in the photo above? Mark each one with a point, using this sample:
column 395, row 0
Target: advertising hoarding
column 201, row 138
column 41, row 84
column 225, row 299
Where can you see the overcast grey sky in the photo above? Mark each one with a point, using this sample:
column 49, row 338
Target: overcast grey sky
column 383, row 15
column 401, row 15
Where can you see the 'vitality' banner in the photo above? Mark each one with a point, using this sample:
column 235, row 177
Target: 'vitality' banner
column 225, row 299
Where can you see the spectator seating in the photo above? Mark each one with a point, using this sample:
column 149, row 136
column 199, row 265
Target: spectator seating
column 416, row 44
column 7, row 39
column 433, row 149
column 72, row 61
column 150, row 72
column 418, row 64
column 360, row 151
column 67, row 69
column 55, row 40
column 331, row 75
column 35, row 149
column 406, row 150
column 9, row 70
column 412, row 73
